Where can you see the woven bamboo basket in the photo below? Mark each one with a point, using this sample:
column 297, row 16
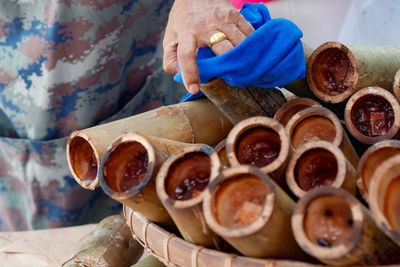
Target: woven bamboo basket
column 176, row 252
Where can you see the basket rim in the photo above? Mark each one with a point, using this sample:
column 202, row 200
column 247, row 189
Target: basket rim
column 140, row 226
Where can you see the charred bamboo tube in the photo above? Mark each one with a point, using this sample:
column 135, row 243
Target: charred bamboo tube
column 220, row 149
column 318, row 164
column 245, row 207
column 396, row 85
column 333, row 226
column 261, row 142
column 241, row 103
column 372, row 115
column 110, row 244
column 183, row 122
column 292, row 107
column 128, row 169
column 336, row 71
column 384, row 198
column 372, row 158
column 180, row 187
column 318, row 123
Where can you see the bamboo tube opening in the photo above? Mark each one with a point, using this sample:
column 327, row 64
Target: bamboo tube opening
column 127, row 166
column 314, row 124
column 316, row 167
column 260, row 142
column 220, row 149
column 188, row 176
column 396, row 85
column 258, row 147
column 316, row 164
column 371, row 159
column 331, row 72
column 184, row 176
column 372, row 114
column 239, row 202
column 292, row 107
column 83, row 161
column 327, row 222
column 384, row 197
column 314, row 128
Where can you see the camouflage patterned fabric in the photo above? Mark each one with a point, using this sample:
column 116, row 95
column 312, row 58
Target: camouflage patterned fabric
column 67, row 65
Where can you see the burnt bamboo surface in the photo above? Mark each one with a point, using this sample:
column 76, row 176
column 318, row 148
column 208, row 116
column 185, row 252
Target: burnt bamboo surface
column 238, row 103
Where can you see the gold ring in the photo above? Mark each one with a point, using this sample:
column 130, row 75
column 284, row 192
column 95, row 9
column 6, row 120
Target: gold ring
column 216, row 38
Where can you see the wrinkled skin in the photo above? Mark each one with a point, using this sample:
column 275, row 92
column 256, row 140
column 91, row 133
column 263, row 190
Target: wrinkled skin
column 191, row 24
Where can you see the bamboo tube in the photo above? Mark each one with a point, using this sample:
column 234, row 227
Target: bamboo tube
column 180, row 187
column 372, row 115
column 128, row 169
column 371, row 160
column 149, row 261
column 260, row 142
column 245, row 207
column 396, row 85
column 220, row 149
column 336, row 71
column 110, row 244
column 333, row 226
column 292, row 107
column 196, row 121
column 300, row 87
column 241, row 103
column 384, row 198
column 318, row 123
column 318, row 164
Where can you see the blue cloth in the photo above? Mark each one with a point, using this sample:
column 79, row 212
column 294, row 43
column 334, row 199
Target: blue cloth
column 271, row 56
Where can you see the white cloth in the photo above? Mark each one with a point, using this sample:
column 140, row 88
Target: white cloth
column 372, row 22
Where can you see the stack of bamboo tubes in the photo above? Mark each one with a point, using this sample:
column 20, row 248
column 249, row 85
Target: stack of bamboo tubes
column 266, row 173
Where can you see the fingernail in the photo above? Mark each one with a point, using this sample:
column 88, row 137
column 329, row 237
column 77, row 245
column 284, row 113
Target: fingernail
column 194, row 88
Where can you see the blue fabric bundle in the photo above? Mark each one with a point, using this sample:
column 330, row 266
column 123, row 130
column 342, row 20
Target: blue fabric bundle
column 271, row 56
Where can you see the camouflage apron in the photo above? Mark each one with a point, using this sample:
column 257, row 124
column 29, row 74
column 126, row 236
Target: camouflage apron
column 67, row 65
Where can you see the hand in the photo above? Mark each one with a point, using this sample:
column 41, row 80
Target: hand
column 191, row 24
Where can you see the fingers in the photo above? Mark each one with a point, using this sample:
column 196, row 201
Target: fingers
column 187, row 31
column 244, row 26
column 170, row 58
column 170, row 46
column 222, row 47
column 236, row 32
column 233, row 34
column 187, row 51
